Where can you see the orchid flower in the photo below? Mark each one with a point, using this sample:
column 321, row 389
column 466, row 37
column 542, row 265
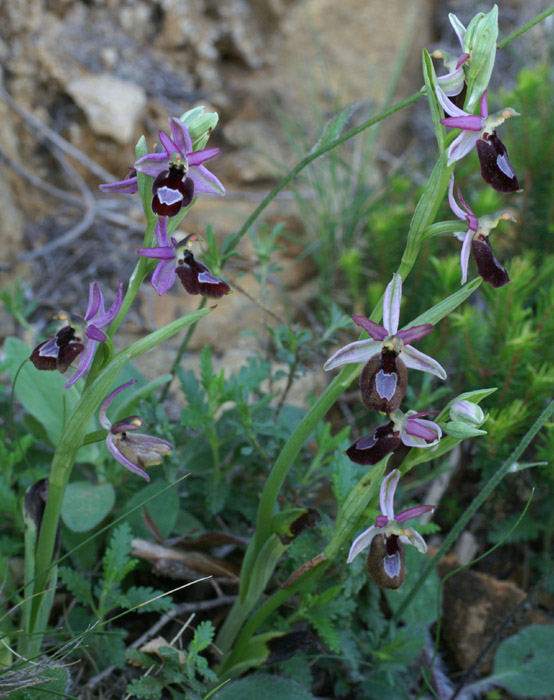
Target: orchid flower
column 59, row 352
column 134, row 452
column 453, row 82
column 176, row 260
column 386, row 537
column 410, row 429
column 386, row 354
column 476, row 239
column 178, row 172
column 479, row 131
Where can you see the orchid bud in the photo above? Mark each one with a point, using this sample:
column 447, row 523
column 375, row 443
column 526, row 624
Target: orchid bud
column 199, row 125
column 480, row 42
column 466, row 417
column 467, row 412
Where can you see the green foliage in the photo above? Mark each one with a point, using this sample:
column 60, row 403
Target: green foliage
column 523, row 663
column 255, row 687
column 182, row 673
column 85, row 505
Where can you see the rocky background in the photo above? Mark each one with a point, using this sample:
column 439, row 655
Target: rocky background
column 82, row 80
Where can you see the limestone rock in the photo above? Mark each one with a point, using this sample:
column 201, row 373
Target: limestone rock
column 112, row 106
column 475, row 606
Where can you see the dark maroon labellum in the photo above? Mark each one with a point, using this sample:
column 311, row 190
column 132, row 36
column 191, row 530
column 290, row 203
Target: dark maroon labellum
column 488, row 266
column 385, row 561
column 496, row 169
column 59, row 352
column 383, row 382
column 196, row 278
column 172, row 191
column 371, row 449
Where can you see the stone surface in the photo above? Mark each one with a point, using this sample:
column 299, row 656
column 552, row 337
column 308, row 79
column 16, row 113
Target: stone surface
column 113, row 107
column 475, row 605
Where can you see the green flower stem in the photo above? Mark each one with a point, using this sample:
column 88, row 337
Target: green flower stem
column 72, row 439
column 424, row 214
column 348, row 518
column 475, row 505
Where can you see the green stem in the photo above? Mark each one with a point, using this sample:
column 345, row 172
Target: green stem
column 424, row 213
column 72, row 439
column 522, row 30
column 475, row 505
column 313, row 155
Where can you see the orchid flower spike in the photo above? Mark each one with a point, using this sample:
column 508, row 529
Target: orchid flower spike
column 77, row 338
column 134, row 452
column 176, row 260
column 476, row 239
column 178, row 172
column 386, row 354
column 385, row 539
column 410, row 429
column 480, row 132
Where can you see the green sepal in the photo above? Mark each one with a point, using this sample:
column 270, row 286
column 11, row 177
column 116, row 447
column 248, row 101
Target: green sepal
column 430, row 79
column 461, row 431
column 480, row 42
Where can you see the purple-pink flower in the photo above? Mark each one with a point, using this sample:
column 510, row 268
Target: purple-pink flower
column 410, row 429
column 453, row 82
column 476, row 240
column 177, row 260
column 386, row 537
column 178, row 172
column 134, row 452
column 480, row 131
column 78, row 338
column 386, row 354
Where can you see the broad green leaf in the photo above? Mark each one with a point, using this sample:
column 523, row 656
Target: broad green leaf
column 43, row 394
column 163, row 511
column 85, row 505
column 523, row 663
column 261, row 686
column 55, row 681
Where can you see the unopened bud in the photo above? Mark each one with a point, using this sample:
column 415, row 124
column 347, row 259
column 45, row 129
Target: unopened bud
column 199, row 126
column 468, row 413
column 480, row 42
